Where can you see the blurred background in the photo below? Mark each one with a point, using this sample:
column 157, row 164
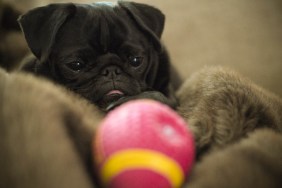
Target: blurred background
column 245, row 35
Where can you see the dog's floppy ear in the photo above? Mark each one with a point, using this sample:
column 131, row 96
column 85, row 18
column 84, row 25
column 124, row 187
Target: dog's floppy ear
column 40, row 26
column 149, row 19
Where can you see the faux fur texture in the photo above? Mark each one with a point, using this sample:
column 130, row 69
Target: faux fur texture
column 253, row 162
column 46, row 132
column 222, row 107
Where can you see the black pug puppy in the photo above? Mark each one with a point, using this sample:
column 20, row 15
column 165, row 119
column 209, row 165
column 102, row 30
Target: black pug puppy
column 108, row 53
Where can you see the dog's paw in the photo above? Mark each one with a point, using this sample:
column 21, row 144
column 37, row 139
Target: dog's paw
column 154, row 95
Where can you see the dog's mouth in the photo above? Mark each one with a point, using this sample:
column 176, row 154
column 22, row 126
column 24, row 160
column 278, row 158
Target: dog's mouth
column 115, row 92
column 110, row 97
column 113, row 95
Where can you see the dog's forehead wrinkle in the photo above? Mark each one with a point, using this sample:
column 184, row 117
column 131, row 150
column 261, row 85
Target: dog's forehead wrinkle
column 107, row 23
column 104, row 34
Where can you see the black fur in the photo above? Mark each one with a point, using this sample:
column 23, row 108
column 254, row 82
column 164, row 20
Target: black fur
column 92, row 49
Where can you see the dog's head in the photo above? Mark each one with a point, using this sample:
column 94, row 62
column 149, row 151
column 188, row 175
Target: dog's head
column 102, row 51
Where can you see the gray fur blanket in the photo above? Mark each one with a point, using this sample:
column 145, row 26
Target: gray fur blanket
column 46, row 132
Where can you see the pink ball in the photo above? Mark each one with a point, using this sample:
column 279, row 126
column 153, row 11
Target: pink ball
column 143, row 144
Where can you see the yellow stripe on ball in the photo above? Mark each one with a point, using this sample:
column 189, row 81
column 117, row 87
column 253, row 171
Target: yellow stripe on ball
column 143, row 159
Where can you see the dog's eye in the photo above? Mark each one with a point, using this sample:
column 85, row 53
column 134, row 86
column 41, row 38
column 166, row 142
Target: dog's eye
column 135, row 61
column 76, row 65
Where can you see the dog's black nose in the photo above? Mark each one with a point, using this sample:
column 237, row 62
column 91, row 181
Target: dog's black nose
column 111, row 71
